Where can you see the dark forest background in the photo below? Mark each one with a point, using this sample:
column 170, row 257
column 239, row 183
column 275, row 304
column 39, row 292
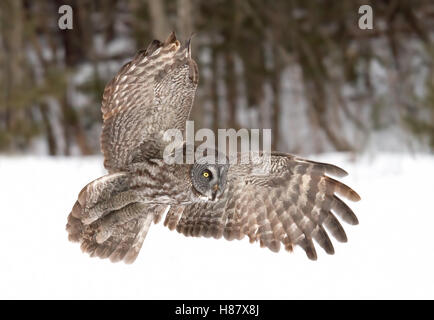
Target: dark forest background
column 302, row 68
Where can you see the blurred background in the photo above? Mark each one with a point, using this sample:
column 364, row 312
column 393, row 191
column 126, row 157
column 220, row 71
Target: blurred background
column 303, row 68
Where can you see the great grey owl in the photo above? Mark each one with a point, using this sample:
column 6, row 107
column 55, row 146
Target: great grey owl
column 294, row 204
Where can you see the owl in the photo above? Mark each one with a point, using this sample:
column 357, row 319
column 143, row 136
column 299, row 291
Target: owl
column 296, row 203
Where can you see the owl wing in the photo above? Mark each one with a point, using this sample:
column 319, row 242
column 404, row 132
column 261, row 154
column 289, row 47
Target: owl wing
column 117, row 233
column 292, row 205
column 124, row 243
column 150, row 94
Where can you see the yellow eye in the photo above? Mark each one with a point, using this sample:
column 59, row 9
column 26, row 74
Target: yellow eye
column 205, row 174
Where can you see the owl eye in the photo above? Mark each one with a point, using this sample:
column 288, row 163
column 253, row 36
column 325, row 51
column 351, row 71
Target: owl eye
column 206, row 174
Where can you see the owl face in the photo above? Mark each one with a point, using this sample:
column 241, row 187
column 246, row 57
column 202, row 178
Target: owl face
column 209, row 179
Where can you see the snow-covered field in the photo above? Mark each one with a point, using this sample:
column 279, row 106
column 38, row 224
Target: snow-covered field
column 390, row 254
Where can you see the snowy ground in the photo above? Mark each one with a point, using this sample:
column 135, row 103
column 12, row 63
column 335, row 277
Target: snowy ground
column 390, row 254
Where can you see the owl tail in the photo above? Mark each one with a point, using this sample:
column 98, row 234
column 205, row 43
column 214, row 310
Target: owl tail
column 116, row 232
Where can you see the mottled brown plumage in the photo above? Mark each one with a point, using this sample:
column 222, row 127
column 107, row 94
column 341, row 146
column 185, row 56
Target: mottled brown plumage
column 150, row 94
column 296, row 203
column 290, row 206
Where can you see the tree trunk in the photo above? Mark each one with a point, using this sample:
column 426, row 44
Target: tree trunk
column 184, row 19
column 159, row 21
column 12, row 18
column 214, row 93
column 51, row 141
column 275, row 126
column 231, row 90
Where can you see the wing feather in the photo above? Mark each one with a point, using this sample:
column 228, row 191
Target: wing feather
column 150, row 94
column 123, row 231
column 292, row 206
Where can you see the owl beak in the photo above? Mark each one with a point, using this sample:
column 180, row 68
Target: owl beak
column 216, row 193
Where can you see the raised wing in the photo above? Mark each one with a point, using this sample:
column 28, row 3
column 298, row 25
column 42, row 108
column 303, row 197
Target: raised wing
column 150, row 94
column 293, row 205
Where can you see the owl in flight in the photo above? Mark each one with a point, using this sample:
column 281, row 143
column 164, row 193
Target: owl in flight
column 296, row 203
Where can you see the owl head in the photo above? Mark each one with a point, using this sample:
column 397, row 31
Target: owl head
column 208, row 176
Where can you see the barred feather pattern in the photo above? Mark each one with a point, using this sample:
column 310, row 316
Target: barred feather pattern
column 150, row 94
column 125, row 238
column 112, row 214
column 294, row 205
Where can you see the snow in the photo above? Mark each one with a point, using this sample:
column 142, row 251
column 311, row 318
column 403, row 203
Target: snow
column 390, row 254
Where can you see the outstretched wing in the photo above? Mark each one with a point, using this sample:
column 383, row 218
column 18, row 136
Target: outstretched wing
column 150, row 94
column 293, row 205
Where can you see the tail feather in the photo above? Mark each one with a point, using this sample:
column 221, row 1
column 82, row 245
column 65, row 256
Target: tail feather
column 125, row 229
